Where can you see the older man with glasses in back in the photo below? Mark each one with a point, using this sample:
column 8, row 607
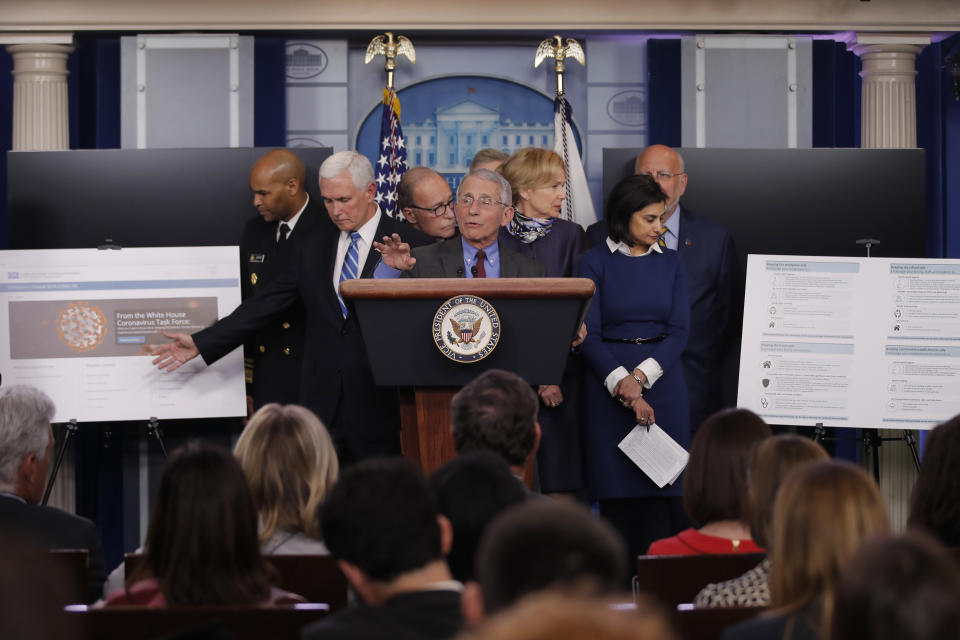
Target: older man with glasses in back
column 426, row 201
column 482, row 207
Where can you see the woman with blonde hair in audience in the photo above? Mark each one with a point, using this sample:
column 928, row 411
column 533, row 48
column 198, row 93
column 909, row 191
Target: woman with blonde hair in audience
column 822, row 514
column 202, row 546
column 935, row 504
column 715, row 486
column 291, row 465
column 538, row 181
column 770, row 463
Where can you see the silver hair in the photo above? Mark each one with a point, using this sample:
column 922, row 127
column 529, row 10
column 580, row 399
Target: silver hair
column 357, row 165
column 506, row 194
column 25, row 415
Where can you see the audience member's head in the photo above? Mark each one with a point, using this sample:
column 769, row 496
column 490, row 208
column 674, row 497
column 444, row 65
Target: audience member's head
column 715, row 481
column 381, row 522
column 202, row 542
column 558, row 616
column 25, row 441
column 544, row 545
column 496, row 411
column 488, row 159
column 904, row 588
column 630, row 195
column 935, row 506
column 770, row 463
column 822, row 514
column 470, row 491
column 291, row 465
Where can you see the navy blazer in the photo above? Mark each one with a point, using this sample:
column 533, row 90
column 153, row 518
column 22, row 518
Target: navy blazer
column 716, row 296
column 336, row 381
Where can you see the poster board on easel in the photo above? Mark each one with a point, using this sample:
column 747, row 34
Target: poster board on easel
column 851, row 342
column 79, row 323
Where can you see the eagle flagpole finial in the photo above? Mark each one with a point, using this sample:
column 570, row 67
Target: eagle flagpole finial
column 558, row 49
column 386, row 45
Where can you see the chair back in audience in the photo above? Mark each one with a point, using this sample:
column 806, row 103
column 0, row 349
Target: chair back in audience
column 708, row 624
column 315, row 577
column 677, row 579
column 954, row 552
column 75, row 564
column 282, row 622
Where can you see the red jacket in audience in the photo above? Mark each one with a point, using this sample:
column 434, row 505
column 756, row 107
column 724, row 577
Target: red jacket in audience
column 691, row 543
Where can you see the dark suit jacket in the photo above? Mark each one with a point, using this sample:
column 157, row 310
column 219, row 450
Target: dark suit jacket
column 275, row 356
column 420, row 615
column 336, row 382
column 716, row 295
column 55, row 529
column 445, row 260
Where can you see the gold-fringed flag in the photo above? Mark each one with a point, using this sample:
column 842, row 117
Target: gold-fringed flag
column 578, row 205
column 391, row 162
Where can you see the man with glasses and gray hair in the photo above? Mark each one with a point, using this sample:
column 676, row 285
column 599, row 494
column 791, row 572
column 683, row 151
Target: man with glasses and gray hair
column 26, row 443
column 713, row 278
column 483, row 205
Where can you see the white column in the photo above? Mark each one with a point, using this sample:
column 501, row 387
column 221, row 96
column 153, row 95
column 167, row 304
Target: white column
column 888, row 120
column 41, row 123
column 888, row 101
column 40, row 117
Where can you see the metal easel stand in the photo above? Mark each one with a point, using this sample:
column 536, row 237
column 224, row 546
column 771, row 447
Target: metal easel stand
column 72, row 428
column 871, row 440
column 153, row 429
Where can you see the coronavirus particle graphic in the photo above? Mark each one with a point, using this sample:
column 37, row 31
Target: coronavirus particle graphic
column 81, row 326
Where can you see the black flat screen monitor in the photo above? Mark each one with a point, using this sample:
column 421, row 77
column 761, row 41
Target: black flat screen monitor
column 803, row 201
column 135, row 197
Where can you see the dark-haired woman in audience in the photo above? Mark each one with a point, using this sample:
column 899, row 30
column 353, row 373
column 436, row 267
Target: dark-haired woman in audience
column 291, row 465
column 935, row 505
column 770, row 463
column 202, row 546
column 538, row 180
column 715, row 487
column 823, row 512
column 903, row 588
column 637, row 327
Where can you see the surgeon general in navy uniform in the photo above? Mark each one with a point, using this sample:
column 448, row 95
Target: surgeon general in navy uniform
column 273, row 358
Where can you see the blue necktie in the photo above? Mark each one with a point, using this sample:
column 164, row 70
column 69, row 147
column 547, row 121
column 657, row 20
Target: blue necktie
column 351, row 266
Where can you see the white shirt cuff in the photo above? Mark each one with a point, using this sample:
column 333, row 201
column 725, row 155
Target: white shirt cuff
column 651, row 368
column 613, row 378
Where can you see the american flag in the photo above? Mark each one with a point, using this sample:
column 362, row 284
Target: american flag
column 392, row 163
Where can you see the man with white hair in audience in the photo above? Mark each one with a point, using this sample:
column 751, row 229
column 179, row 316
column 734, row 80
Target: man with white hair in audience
column 26, row 442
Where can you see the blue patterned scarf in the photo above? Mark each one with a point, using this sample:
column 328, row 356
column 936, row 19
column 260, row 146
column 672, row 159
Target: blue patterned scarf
column 529, row 229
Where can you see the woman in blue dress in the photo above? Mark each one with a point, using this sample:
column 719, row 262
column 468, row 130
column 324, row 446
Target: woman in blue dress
column 637, row 327
column 538, row 180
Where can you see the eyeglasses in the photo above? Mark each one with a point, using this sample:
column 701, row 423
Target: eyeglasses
column 663, row 175
column 438, row 210
column 483, row 201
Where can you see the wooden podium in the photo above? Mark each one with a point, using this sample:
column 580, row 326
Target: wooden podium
column 539, row 318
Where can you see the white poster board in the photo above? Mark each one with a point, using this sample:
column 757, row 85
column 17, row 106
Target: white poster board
column 851, row 342
column 79, row 324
